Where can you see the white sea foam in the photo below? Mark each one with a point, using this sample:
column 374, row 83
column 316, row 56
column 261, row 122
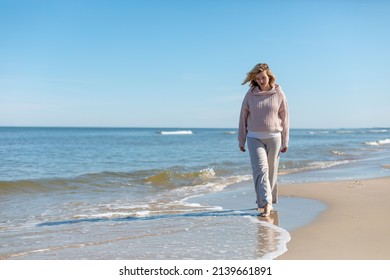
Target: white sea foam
column 344, row 132
column 326, row 164
column 338, row 153
column 142, row 213
column 384, row 142
column 207, row 172
column 103, row 215
column 120, row 207
column 378, row 143
column 190, row 204
column 318, row 132
column 161, row 204
column 178, row 132
column 315, row 165
column 213, row 186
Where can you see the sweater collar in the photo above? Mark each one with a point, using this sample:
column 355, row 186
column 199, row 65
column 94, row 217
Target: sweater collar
column 257, row 91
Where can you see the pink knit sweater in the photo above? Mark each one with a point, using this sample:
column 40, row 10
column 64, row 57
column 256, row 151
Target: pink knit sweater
column 264, row 111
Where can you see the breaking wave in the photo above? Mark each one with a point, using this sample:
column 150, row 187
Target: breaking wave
column 178, row 132
column 378, row 143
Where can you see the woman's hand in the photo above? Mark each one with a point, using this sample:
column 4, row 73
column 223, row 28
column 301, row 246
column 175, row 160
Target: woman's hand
column 284, row 149
column 242, row 149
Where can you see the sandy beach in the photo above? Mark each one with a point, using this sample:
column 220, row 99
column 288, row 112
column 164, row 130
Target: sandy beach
column 354, row 226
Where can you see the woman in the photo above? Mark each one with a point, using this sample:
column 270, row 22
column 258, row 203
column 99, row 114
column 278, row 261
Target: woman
column 264, row 124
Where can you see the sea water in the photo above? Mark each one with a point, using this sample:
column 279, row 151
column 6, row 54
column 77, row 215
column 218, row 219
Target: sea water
column 145, row 193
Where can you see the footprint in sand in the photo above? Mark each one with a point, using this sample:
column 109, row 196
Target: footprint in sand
column 355, row 184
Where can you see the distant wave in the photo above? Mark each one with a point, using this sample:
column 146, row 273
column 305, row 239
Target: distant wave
column 345, row 132
column 378, row 143
column 338, row 153
column 310, row 166
column 316, row 132
column 230, row 132
column 177, row 132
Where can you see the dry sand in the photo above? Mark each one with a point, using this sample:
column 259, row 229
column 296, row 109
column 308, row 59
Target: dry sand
column 356, row 225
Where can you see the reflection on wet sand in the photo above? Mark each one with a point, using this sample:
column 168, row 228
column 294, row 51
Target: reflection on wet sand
column 268, row 238
column 273, row 218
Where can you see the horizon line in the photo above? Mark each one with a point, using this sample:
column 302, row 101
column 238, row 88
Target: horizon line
column 172, row 127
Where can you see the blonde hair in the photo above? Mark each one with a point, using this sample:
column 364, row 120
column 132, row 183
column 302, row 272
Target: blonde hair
column 260, row 67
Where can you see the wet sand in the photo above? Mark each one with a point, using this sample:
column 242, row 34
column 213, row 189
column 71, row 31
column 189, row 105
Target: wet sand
column 355, row 225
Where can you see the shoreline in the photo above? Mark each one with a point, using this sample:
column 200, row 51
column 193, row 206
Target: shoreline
column 323, row 220
column 352, row 227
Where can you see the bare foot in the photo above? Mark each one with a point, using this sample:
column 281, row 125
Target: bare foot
column 267, row 210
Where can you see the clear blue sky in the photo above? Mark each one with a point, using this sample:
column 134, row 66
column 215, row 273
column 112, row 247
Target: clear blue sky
column 181, row 63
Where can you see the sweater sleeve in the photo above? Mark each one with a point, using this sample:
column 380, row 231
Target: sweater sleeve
column 284, row 116
column 243, row 122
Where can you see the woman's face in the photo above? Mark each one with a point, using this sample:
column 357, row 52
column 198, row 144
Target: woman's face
column 262, row 80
